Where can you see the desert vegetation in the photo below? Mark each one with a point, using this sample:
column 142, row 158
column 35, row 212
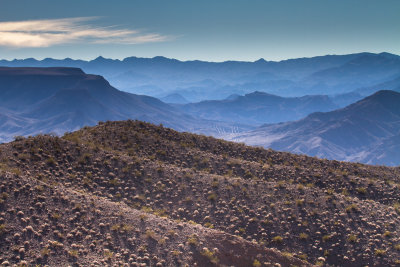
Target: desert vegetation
column 136, row 194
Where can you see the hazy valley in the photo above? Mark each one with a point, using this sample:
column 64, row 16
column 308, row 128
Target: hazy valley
column 245, row 101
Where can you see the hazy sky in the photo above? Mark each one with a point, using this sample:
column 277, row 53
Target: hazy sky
column 214, row 30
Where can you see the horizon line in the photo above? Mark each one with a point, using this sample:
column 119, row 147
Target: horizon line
column 189, row 60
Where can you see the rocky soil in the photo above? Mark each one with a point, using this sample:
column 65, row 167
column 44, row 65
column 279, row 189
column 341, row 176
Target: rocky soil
column 135, row 194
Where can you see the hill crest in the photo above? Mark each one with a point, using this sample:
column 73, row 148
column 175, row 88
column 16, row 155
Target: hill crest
column 176, row 185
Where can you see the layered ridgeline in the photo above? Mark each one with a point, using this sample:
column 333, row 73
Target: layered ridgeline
column 258, row 108
column 57, row 100
column 132, row 192
column 199, row 80
column 44, row 100
column 366, row 131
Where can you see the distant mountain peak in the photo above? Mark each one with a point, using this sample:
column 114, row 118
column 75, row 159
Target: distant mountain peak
column 232, row 97
column 389, row 55
column 160, row 57
column 385, row 93
column 383, row 97
column 174, row 98
column 259, row 93
column 389, row 99
column 164, row 59
column 368, row 58
column 100, row 59
column 261, row 60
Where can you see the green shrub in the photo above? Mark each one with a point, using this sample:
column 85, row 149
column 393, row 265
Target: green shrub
column 256, row 263
column 303, row 236
column 379, row 252
column 210, row 255
column 352, row 238
column 362, row 190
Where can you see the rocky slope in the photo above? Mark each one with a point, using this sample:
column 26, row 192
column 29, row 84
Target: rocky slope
column 131, row 192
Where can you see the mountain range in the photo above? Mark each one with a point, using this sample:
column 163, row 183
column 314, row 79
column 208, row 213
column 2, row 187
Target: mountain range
column 58, row 100
column 43, row 100
column 258, row 108
column 366, row 131
column 199, row 80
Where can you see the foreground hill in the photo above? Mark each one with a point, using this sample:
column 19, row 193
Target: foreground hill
column 364, row 131
column 132, row 192
column 258, row 108
column 44, row 100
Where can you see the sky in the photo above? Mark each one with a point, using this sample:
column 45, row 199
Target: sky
column 205, row 30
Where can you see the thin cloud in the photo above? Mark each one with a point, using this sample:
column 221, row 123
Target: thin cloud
column 45, row 33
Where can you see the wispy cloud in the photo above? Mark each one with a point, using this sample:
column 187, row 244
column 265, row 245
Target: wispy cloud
column 45, row 33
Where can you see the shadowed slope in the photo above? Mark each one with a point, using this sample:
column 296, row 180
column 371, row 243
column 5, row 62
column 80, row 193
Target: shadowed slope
column 65, row 99
column 350, row 133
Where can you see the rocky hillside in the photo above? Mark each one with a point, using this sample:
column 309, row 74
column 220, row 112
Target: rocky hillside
column 143, row 195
